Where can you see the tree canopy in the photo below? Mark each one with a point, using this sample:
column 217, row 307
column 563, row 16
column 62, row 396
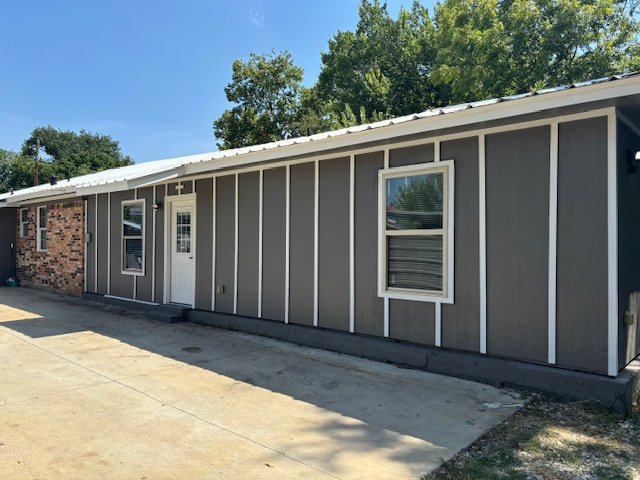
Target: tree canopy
column 63, row 153
column 467, row 50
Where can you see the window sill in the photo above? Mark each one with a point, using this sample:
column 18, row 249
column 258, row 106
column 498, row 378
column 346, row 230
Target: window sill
column 416, row 297
column 133, row 273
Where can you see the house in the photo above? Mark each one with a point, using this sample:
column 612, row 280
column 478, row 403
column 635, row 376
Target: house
column 494, row 240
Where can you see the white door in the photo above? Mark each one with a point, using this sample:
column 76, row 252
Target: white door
column 183, row 264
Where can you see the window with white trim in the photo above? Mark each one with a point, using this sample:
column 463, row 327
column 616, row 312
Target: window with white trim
column 133, row 237
column 41, row 229
column 416, row 232
column 24, row 222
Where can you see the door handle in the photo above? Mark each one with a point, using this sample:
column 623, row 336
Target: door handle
column 190, row 258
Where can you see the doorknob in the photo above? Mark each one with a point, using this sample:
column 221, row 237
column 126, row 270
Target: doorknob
column 190, row 258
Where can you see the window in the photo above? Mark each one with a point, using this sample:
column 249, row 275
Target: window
column 24, row 222
column 416, row 232
column 41, row 233
column 133, row 237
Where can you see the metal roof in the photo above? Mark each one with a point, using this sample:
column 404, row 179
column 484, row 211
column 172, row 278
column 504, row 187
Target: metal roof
column 163, row 170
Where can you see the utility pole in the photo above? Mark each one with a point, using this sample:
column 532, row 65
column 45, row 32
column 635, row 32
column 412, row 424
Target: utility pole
column 35, row 176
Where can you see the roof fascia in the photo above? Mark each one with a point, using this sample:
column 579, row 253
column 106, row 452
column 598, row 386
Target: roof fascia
column 154, row 178
column 21, row 202
column 467, row 117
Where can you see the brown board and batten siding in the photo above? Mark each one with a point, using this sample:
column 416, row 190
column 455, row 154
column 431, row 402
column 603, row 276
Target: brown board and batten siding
column 409, row 320
column 274, row 223
column 143, row 282
column 248, row 243
column 369, row 308
column 582, row 287
column 301, row 289
column 628, row 242
column 460, row 320
column 333, row 244
column 517, row 193
column 225, row 243
column 204, row 242
column 102, row 239
column 159, row 244
column 121, row 284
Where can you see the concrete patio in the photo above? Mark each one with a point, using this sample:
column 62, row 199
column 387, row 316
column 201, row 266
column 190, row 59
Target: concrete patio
column 92, row 392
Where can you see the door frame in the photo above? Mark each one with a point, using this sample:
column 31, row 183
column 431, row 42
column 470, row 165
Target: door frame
column 168, row 223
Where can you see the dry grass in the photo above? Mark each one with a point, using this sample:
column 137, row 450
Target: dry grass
column 550, row 440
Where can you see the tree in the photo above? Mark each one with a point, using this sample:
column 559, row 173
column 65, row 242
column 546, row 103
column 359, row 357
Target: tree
column 63, row 153
column 266, row 90
column 490, row 49
column 75, row 153
column 17, row 171
column 383, row 67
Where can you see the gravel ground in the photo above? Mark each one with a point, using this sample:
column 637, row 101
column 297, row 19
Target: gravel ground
column 551, row 440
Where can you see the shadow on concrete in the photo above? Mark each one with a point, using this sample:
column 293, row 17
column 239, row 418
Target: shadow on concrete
column 411, row 417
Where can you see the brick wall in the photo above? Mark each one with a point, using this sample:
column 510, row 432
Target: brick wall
column 61, row 267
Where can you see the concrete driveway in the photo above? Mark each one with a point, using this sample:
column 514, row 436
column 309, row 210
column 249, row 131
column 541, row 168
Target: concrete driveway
column 90, row 392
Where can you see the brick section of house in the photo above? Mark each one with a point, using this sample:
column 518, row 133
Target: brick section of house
column 61, row 267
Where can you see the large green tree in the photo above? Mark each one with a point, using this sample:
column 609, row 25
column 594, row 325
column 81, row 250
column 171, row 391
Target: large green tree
column 266, row 92
column 468, row 50
column 62, row 153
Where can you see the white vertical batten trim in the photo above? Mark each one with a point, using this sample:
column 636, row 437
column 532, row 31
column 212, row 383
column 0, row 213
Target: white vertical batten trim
column 95, row 246
column 86, row 245
column 167, row 245
column 483, row 242
column 213, row 245
column 135, row 277
column 235, row 273
column 260, row 225
column 612, row 241
column 108, row 243
column 316, row 210
column 438, row 305
column 381, row 254
column 352, row 245
column 287, row 241
column 154, row 212
column 553, row 242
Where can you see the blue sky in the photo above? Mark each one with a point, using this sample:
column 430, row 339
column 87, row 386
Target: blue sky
column 149, row 73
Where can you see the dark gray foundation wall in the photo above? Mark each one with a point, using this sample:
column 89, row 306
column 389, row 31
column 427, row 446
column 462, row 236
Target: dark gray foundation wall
column 628, row 241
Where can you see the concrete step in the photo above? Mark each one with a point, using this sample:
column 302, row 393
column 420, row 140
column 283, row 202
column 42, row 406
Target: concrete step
column 168, row 314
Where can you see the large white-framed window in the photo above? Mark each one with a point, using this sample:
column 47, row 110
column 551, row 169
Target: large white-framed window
column 41, row 229
column 24, row 222
column 133, row 213
column 416, row 232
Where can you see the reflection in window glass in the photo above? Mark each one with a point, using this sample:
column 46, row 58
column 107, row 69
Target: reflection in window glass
column 415, row 262
column 183, row 232
column 132, row 236
column 415, row 202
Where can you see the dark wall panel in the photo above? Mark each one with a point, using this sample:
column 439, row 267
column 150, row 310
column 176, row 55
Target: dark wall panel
column 8, row 230
column 582, row 245
column 90, row 273
column 411, row 155
column 248, row 245
column 225, row 242
column 121, row 285
column 204, row 242
column 103, row 242
column 461, row 320
column 143, row 286
column 160, row 236
column 274, row 243
column 333, row 245
column 628, row 242
column 517, row 186
column 369, row 308
column 412, row 321
column 301, row 244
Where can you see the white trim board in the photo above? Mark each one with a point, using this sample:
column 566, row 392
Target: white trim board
column 612, row 242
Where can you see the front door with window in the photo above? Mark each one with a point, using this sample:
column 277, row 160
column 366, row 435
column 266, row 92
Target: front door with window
column 182, row 254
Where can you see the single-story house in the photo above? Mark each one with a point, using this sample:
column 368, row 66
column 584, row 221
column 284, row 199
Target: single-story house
column 494, row 240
